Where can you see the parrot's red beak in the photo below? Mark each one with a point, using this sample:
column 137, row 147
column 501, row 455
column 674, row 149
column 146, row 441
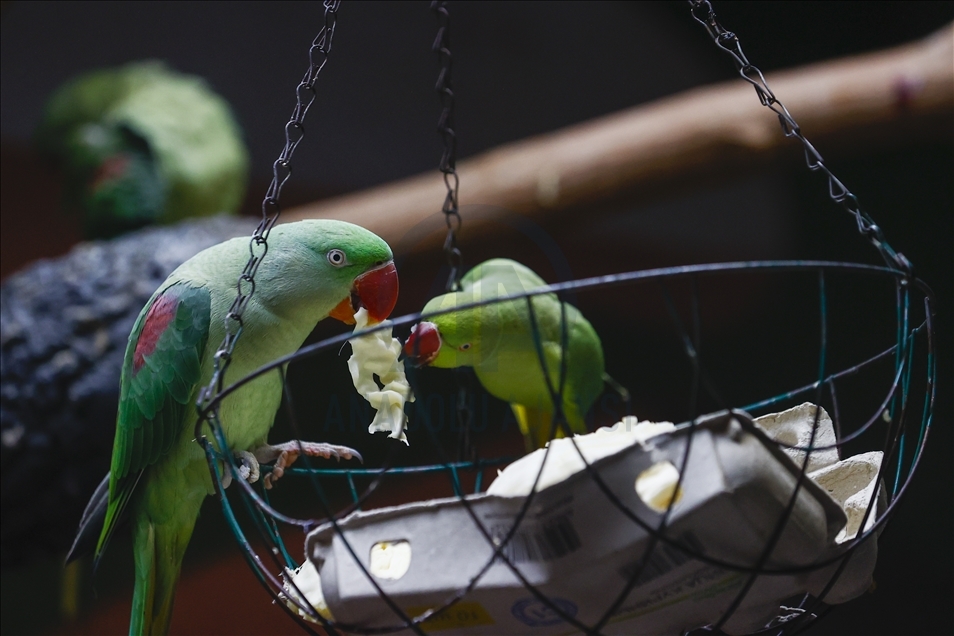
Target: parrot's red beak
column 423, row 344
column 375, row 290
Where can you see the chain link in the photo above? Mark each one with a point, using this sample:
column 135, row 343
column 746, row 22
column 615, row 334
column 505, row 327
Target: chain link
column 448, row 167
column 271, row 208
column 445, row 127
column 703, row 13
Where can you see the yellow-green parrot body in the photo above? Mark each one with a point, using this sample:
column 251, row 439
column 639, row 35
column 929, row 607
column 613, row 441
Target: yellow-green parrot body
column 498, row 341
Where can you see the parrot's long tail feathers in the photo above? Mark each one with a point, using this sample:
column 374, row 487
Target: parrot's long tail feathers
column 115, row 514
column 144, row 593
column 91, row 523
column 159, row 549
column 159, row 546
column 535, row 424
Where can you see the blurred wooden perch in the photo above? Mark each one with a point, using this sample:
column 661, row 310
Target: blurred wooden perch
column 710, row 130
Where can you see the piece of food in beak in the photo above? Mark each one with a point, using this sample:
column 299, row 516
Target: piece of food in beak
column 378, row 375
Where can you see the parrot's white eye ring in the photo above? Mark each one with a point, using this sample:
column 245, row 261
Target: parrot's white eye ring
column 337, row 258
column 464, row 347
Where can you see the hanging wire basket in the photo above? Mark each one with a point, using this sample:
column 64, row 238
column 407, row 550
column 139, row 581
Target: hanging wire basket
column 881, row 398
column 896, row 421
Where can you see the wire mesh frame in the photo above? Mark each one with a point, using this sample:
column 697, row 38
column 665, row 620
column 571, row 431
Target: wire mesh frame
column 264, row 516
column 896, row 402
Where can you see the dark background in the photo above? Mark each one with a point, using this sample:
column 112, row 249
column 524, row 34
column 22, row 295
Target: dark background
column 523, row 69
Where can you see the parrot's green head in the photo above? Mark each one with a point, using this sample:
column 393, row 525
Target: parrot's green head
column 113, row 179
column 464, row 338
column 342, row 266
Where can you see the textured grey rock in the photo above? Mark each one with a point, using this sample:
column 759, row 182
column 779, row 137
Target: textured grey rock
column 64, row 324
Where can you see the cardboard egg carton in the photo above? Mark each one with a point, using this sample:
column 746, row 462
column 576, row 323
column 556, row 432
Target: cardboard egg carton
column 580, row 547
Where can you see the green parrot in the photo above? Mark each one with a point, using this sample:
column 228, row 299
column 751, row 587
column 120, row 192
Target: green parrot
column 158, row 474
column 141, row 144
column 497, row 341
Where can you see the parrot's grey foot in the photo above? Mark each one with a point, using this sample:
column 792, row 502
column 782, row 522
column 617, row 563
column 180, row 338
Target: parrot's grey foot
column 248, row 469
column 284, row 455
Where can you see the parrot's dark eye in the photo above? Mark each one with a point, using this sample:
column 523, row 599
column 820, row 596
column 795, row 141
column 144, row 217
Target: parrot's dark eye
column 464, row 347
column 337, row 258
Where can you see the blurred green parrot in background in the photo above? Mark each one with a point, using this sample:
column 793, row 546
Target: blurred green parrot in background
column 497, row 340
column 143, row 144
column 158, row 474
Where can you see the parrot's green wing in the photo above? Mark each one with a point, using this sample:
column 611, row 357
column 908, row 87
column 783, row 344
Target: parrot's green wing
column 160, row 371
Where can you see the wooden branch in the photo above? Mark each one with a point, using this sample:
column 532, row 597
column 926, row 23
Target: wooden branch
column 665, row 143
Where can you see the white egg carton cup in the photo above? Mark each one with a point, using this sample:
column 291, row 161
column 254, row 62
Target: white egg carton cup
column 579, row 549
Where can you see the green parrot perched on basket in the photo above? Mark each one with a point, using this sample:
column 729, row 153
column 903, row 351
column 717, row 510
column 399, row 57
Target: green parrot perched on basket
column 497, row 340
column 158, row 474
column 143, row 144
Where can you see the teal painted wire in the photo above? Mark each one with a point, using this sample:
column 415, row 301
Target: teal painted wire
column 903, row 309
column 251, row 557
column 899, row 336
column 229, row 517
column 477, row 481
column 233, row 523
column 455, row 481
column 822, row 357
column 354, row 491
column 265, row 524
column 814, row 385
column 273, row 531
column 258, row 519
column 229, row 458
column 401, row 470
column 897, row 473
column 926, row 412
column 905, row 387
column 905, row 352
column 599, row 282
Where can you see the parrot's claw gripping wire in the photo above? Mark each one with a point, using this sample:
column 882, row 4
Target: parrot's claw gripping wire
column 284, row 455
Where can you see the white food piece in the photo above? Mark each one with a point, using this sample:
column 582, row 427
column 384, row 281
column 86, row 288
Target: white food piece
column 563, row 459
column 376, row 354
column 793, row 427
column 307, row 579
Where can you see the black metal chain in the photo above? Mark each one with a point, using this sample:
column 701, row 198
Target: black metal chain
column 445, row 127
column 271, row 207
column 727, row 41
column 448, row 167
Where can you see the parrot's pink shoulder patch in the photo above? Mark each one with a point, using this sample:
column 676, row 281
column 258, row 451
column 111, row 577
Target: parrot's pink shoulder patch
column 161, row 313
column 112, row 168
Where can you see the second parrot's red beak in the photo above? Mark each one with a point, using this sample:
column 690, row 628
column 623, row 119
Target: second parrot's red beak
column 423, row 344
column 375, row 290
